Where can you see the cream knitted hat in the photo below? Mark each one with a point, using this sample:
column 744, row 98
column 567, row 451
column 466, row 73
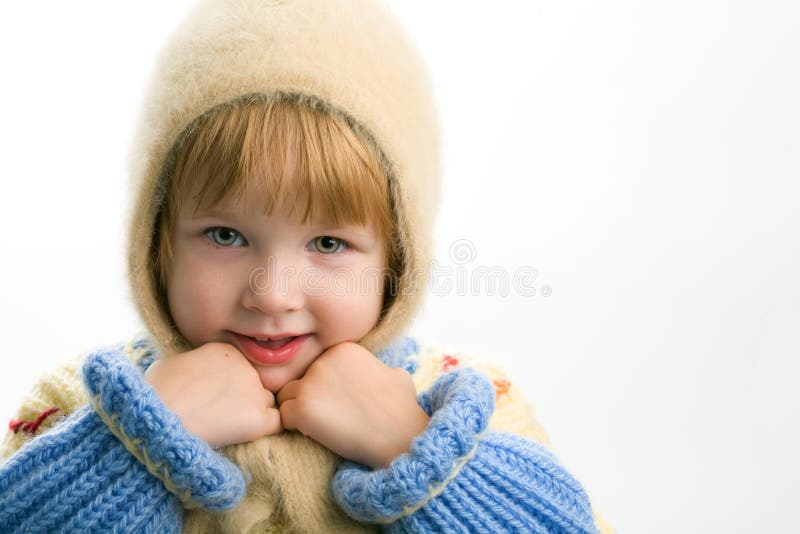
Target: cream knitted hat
column 349, row 57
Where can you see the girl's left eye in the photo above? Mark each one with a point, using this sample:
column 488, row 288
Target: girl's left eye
column 327, row 244
column 224, row 236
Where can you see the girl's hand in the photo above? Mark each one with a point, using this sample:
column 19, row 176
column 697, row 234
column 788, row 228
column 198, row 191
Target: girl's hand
column 216, row 393
column 355, row 405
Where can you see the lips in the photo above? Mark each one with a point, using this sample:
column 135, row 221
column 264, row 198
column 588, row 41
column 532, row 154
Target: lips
column 273, row 344
column 271, row 351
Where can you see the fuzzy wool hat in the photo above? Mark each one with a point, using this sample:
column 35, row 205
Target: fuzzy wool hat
column 348, row 57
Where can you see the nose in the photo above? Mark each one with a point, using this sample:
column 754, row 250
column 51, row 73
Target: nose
column 273, row 288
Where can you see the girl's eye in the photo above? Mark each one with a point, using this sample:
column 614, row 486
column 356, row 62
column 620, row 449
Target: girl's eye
column 225, row 237
column 328, row 245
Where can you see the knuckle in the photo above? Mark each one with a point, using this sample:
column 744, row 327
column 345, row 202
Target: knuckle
column 405, row 380
column 343, row 348
column 218, row 347
column 304, row 407
column 320, row 369
column 301, row 393
column 274, row 422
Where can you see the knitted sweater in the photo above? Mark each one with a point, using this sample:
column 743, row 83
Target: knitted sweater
column 114, row 458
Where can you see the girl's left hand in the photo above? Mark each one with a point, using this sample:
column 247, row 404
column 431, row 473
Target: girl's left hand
column 355, row 405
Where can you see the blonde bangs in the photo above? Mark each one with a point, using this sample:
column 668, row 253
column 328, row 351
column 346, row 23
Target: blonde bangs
column 302, row 159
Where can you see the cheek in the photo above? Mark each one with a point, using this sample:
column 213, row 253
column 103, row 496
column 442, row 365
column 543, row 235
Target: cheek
column 352, row 303
column 346, row 319
column 194, row 300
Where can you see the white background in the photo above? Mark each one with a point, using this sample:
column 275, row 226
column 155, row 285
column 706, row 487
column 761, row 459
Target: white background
column 643, row 157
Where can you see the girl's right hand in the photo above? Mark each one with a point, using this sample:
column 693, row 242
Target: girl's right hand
column 216, row 393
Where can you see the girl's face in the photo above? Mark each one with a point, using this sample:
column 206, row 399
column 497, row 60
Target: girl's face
column 280, row 291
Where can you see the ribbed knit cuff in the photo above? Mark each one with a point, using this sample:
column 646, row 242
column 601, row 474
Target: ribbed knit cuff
column 459, row 405
column 461, row 478
column 134, row 413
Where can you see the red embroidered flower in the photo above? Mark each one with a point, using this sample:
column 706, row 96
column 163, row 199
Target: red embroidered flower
column 449, row 362
column 501, row 387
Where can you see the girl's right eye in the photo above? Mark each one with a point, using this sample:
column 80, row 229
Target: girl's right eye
column 224, row 236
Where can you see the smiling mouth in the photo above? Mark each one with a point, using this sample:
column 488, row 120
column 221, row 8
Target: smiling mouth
column 271, row 351
column 273, row 343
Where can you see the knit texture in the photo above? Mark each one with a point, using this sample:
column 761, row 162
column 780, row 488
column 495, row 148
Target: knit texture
column 125, row 464
column 348, row 58
column 133, row 412
column 291, row 476
column 351, row 59
column 456, row 479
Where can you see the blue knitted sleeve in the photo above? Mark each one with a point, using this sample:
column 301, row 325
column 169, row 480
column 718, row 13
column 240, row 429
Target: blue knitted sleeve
column 124, row 463
column 460, row 477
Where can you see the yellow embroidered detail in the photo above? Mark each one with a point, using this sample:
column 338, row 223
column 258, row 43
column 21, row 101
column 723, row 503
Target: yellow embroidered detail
column 434, row 490
column 159, row 470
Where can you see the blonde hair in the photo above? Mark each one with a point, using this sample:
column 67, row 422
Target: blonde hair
column 310, row 161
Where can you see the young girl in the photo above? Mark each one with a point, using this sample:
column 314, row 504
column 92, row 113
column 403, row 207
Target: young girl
column 287, row 182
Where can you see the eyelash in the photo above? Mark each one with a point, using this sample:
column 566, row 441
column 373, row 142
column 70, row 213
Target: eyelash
column 342, row 244
column 212, row 232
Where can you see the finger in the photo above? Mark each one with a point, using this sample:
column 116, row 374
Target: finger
column 289, row 391
column 272, row 423
column 270, row 398
column 288, row 412
column 263, row 423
